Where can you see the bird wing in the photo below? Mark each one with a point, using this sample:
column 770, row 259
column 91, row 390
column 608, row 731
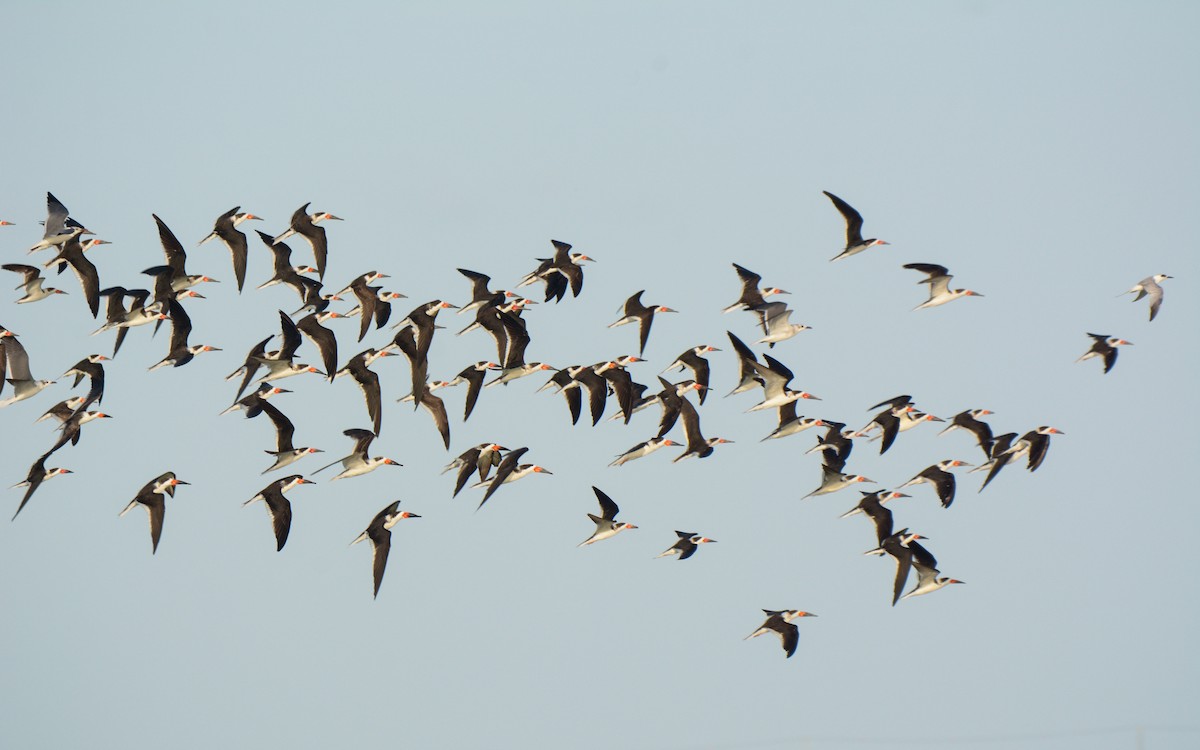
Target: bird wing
column 284, row 428
column 281, row 516
column 18, row 359
column 172, row 248
column 382, row 542
column 854, row 220
column 608, row 508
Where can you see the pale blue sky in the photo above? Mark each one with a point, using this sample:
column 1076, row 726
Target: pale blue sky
column 1044, row 152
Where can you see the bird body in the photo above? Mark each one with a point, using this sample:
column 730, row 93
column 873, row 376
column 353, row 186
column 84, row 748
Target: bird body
column 780, row 623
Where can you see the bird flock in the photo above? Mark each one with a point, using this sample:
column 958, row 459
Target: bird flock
column 160, row 297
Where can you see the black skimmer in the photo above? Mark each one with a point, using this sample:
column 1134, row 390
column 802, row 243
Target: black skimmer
column 374, row 304
column 487, row 317
column 999, row 458
column 31, row 282
column 775, row 378
column 423, row 320
column 225, row 229
column 564, row 269
column 481, row 296
column 252, row 404
column 89, row 367
column 694, row 360
column 89, row 278
column 285, row 453
column 472, row 375
column 911, row 418
column 774, row 318
column 671, row 398
column 437, row 409
column 515, row 365
column 697, row 445
column 835, row 445
column 855, row 243
column 939, row 285
column 888, row 422
column 928, row 579
column 1010, row 449
column 571, row 381
column 1147, row 287
column 606, row 523
column 322, row 337
column 61, row 411
column 790, row 423
column 379, row 531
column 686, row 545
column 358, row 462
column 250, row 365
column 871, row 505
column 643, row 315
column 833, row 480
column 283, row 270
column 479, row 459
column 940, row 477
column 780, row 623
column 899, row 547
column 305, row 225
column 748, row 376
column 71, row 427
column 1106, row 347
column 509, row 471
column 752, row 295
column 368, row 381
column 153, row 497
column 1036, row 443
column 418, row 362
column 620, row 383
column 642, row 449
column 278, row 505
column 38, row 473
column 23, row 383
column 180, row 353
column 969, row 420
column 138, row 313
column 176, row 260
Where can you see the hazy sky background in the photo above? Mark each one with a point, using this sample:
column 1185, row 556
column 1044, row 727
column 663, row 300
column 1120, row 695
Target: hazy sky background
column 1045, row 152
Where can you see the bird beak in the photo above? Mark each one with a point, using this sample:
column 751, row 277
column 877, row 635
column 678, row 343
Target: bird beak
column 178, row 482
column 306, row 481
column 406, row 514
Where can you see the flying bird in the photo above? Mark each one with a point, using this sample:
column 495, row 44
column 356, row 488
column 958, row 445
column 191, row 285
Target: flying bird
column 939, row 285
column 686, row 545
column 379, row 531
column 1149, row 287
column 1106, row 347
column 780, row 623
column 643, row 315
column 278, row 506
column 607, row 525
column 152, row 496
column 855, row 243
column 225, row 229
